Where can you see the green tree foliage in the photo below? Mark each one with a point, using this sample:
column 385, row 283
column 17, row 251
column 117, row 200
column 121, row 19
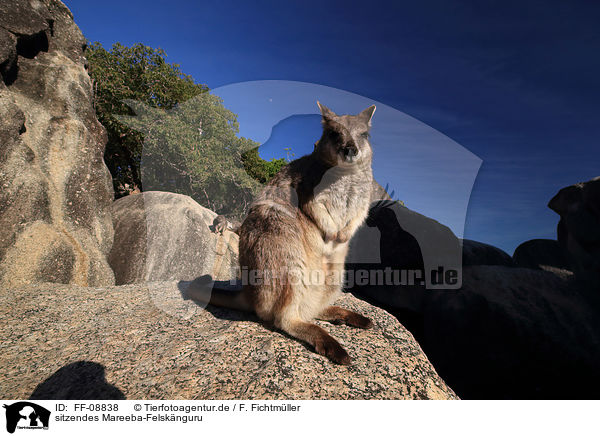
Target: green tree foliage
column 182, row 140
column 138, row 73
column 193, row 149
column 259, row 168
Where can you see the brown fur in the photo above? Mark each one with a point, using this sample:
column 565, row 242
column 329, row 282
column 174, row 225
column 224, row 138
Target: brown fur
column 301, row 223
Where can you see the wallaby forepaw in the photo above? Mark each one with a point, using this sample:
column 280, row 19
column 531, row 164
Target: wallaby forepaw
column 333, row 351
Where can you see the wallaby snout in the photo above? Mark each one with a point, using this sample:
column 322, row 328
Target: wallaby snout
column 350, row 152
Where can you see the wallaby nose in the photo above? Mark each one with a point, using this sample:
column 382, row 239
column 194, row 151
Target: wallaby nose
column 350, row 150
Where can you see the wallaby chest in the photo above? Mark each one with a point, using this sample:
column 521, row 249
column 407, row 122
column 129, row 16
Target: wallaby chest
column 344, row 195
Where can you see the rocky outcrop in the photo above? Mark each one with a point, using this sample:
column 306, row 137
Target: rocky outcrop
column 164, row 236
column 148, row 342
column 478, row 253
column 55, row 194
column 514, row 333
column 509, row 332
column 541, row 254
column 579, row 227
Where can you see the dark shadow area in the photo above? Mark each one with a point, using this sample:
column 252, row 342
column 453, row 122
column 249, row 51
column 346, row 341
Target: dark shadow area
column 29, row 46
column 507, row 333
column 410, row 319
column 488, row 346
column 81, row 380
column 232, row 314
column 482, row 352
column 9, row 70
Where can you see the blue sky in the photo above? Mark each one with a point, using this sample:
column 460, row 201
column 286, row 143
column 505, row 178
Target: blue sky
column 515, row 83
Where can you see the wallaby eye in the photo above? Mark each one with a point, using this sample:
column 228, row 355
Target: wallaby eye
column 365, row 135
column 334, row 136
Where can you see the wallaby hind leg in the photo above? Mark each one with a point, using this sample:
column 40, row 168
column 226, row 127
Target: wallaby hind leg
column 339, row 315
column 317, row 337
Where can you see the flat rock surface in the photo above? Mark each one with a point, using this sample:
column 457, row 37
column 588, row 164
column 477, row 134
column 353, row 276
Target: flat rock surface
column 148, row 342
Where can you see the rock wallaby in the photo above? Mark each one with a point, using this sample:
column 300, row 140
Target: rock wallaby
column 221, row 223
column 294, row 241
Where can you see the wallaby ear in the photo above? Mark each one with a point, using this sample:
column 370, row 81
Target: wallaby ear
column 325, row 111
column 367, row 114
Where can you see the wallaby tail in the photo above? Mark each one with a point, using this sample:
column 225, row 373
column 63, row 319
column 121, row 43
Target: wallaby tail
column 230, row 299
column 221, row 293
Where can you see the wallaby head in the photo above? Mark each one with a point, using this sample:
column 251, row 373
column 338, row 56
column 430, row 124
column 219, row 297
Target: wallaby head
column 345, row 139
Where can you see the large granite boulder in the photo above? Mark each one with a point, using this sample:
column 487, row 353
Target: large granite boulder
column 479, row 253
column 508, row 332
column 149, row 342
column 541, row 254
column 514, row 333
column 579, row 227
column 164, row 236
column 55, row 223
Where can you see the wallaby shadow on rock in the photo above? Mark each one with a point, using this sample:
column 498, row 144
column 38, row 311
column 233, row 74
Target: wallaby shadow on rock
column 82, row 380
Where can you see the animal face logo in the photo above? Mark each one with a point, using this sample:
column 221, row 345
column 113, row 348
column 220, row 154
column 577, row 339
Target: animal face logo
column 25, row 414
column 345, row 140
